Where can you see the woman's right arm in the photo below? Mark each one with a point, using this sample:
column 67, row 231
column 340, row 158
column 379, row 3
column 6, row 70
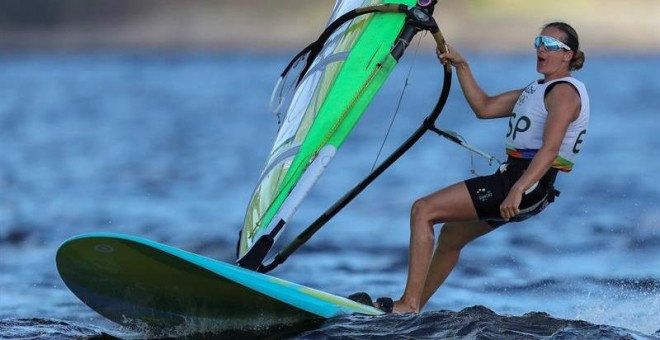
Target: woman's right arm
column 483, row 105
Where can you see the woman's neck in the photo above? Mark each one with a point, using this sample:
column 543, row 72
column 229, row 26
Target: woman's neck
column 558, row 75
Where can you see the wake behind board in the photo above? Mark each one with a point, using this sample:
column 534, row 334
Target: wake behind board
column 136, row 282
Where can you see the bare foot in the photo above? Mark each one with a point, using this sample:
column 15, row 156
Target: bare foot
column 401, row 306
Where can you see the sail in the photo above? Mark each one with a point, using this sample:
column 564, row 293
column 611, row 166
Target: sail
column 327, row 103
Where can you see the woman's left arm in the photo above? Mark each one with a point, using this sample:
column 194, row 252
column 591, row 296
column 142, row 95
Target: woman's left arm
column 563, row 103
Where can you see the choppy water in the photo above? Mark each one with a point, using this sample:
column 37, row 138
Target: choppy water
column 169, row 147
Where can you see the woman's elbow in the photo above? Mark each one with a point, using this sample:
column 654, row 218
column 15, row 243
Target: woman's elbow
column 485, row 114
column 480, row 114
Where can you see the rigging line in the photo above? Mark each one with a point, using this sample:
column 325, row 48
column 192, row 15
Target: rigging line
column 472, row 150
column 398, row 105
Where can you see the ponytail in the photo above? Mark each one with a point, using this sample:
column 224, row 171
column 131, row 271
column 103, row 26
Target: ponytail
column 572, row 41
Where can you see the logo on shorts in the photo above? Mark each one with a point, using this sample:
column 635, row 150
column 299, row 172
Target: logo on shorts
column 483, row 195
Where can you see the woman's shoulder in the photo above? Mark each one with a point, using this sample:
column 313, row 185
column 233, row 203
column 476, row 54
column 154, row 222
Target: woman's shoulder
column 568, row 79
column 567, row 82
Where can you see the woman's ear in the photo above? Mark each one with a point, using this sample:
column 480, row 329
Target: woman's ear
column 569, row 56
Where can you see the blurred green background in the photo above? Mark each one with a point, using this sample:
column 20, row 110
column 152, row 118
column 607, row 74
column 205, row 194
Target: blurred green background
column 607, row 26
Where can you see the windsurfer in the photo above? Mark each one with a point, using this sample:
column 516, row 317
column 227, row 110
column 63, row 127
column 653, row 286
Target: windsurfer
column 548, row 120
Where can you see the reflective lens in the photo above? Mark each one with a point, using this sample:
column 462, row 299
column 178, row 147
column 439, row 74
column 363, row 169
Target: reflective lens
column 550, row 43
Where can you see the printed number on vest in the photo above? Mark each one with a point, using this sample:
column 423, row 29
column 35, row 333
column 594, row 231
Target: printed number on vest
column 578, row 141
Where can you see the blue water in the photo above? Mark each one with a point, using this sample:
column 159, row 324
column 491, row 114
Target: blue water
column 168, row 146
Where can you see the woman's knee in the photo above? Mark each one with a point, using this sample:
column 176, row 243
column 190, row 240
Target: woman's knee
column 421, row 220
column 419, row 208
column 424, row 209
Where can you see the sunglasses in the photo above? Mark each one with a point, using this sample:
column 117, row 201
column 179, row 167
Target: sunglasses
column 550, row 43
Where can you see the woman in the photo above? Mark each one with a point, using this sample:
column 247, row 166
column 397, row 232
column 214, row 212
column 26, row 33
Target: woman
column 548, row 121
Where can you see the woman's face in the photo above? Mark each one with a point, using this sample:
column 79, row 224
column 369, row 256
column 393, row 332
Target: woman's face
column 553, row 64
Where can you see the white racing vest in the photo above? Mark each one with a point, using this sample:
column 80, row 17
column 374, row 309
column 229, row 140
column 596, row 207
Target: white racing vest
column 526, row 125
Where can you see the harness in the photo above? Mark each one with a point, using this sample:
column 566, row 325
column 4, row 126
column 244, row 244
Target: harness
column 520, row 164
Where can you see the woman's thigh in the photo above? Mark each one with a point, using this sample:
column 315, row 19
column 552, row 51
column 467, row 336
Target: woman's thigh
column 451, row 204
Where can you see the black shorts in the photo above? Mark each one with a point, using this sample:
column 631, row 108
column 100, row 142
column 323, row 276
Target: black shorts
column 488, row 192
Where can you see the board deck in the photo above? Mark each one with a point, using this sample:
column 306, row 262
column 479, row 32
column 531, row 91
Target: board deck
column 136, row 282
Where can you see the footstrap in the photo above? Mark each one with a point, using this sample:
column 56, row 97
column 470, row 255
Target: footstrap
column 383, row 303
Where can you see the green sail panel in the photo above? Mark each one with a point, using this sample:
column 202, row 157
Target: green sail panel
column 342, row 81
